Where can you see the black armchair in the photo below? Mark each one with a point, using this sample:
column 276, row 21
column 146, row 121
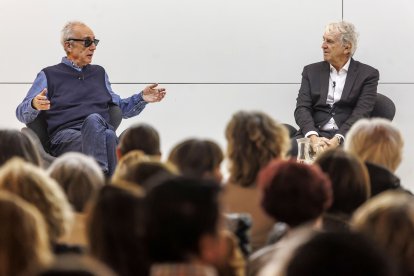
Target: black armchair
column 37, row 131
column 384, row 108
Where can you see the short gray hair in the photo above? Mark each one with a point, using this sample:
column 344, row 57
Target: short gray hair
column 347, row 33
column 67, row 31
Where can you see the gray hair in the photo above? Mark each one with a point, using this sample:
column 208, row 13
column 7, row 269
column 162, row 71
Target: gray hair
column 67, row 31
column 79, row 176
column 346, row 31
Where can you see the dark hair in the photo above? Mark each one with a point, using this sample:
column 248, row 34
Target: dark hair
column 146, row 170
column 116, row 230
column 15, row 143
column 140, row 137
column 349, row 178
column 196, row 157
column 180, row 212
column 340, row 254
column 294, row 193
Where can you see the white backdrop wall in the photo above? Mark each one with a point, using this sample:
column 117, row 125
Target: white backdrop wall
column 214, row 57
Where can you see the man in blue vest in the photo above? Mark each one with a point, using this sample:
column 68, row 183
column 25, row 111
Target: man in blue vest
column 74, row 97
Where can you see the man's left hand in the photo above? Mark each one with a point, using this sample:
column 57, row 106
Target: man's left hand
column 333, row 143
column 152, row 94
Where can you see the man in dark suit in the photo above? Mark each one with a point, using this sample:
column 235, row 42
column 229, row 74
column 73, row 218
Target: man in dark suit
column 336, row 92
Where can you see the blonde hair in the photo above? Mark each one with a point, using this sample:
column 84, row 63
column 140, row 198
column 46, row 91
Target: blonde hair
column 126, row 161
column 377, row 141
column 79, row 176
column 389, row 219
column 135, row 168
column 35, row 186
column 253, row 139
column 24, row 242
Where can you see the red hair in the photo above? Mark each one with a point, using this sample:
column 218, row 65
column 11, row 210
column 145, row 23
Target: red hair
column 294, row 193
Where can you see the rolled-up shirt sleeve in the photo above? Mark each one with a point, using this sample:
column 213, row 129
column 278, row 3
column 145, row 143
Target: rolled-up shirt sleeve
column 25, row 112
column 130, row 106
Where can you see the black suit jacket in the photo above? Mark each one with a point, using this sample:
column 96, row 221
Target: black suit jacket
column 357, row 100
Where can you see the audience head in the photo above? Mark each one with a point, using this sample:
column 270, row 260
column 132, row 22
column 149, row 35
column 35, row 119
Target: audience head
column 294, row 193
column 76, row 265
column 116, row 229
column 137, row 168
column 14, row 143
column 198, row 158
column 346, row 34
column 349, row 178
column 24, row 244
column 254, row 139
column 79, row 176
column 332, row 253
column 388, row 219
column 183, row 220
column 35, row 186
column 141, row 137
column 376, row 141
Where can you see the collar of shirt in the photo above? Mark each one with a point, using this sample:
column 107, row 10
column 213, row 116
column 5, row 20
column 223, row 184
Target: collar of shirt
column 343, row 69
column 68, row 62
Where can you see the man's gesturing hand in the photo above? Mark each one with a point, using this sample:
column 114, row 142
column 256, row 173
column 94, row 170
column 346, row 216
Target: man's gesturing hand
column 40, row 102
column 152, row 94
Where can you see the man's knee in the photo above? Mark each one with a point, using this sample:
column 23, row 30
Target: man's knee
column 94, row 123
column 94, row 117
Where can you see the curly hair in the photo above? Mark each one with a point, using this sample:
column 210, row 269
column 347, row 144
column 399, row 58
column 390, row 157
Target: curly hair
column 35, row 186
column 254, row 139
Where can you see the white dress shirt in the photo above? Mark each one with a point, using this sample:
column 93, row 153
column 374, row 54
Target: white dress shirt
column 336, row 86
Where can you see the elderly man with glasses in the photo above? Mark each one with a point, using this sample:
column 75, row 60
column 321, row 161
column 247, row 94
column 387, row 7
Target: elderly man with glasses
column 74, row 97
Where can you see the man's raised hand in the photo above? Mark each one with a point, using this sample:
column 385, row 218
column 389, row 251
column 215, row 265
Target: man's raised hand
column 153, row 94
column 41, row 102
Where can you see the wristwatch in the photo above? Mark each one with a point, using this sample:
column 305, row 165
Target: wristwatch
column 340, row 139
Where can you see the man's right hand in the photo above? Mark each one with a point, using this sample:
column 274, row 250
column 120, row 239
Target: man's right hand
column 40, row 102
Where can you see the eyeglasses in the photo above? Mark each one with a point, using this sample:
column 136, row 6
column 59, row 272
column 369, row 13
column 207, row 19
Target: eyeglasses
column 86, row 42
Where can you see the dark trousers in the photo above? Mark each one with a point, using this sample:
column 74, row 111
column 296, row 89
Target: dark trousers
column 94, row 137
